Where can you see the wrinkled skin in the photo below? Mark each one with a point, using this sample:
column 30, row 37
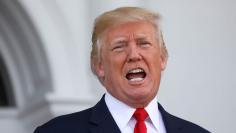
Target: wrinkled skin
column 126, row 47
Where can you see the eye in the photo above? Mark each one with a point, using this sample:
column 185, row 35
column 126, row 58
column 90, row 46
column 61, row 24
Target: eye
column 119, row 47
column 144, row 44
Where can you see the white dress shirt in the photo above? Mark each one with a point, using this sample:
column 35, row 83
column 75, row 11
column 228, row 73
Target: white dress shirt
column 123, row 115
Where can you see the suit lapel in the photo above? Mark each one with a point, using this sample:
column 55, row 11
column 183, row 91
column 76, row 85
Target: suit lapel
column 101, row 120
column 170, row 121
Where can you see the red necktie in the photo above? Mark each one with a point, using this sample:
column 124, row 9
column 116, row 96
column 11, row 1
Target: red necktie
column 140, row 115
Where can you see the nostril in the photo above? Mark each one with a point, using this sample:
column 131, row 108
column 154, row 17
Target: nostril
column 133, row 59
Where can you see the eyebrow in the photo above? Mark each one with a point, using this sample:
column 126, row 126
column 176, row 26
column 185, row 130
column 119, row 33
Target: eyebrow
column 118, row 40
column 142, row 39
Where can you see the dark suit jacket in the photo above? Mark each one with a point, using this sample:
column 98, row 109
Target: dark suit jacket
column 98, row 119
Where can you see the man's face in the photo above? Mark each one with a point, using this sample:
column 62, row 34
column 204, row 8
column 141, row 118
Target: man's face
column 131, row 63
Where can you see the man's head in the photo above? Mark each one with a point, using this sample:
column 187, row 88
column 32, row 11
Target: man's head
column 129, row 54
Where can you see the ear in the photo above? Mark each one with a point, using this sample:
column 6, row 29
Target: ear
column 163, row 62
column 100, row 69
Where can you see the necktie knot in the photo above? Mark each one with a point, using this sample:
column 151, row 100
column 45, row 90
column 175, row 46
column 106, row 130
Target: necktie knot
column 140, row 114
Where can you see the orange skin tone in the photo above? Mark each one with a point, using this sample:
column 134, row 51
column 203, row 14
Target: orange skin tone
column 130, row 46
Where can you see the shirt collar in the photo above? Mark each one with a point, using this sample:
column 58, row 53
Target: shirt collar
column 153, row 113
column 121, row 112
column 117, row 108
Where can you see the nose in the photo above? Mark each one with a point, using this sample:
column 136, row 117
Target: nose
column 133, row 54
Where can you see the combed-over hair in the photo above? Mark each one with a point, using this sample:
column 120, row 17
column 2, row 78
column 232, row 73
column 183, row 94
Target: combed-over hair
column 119, row 16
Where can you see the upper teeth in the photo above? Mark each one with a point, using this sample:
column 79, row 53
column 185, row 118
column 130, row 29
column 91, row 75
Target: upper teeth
column 136, row 70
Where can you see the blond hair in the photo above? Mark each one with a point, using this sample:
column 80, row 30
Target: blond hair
column 119, row 16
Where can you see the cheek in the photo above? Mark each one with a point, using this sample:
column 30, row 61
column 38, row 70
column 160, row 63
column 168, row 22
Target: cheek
column 116, row 60
column 110, row 66
column 113, row 66
column 156, row 61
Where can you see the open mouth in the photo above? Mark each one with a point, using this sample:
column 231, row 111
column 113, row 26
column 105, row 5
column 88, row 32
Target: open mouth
column 137, row 74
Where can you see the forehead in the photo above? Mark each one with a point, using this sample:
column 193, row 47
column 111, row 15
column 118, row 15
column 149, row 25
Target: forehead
column 141, row 29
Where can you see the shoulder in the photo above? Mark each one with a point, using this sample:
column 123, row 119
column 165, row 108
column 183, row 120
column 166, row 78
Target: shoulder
column 187, row 126
column 67, row 123
column 174, row 124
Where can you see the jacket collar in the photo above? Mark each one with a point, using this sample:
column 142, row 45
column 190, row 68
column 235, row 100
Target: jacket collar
column 172, row 124
column 101, row 119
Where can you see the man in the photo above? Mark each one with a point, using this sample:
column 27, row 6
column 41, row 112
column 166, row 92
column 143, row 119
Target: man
column 128, row 56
